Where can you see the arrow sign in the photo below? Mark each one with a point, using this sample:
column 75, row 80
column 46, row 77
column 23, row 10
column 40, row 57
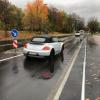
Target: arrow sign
column 14, row 33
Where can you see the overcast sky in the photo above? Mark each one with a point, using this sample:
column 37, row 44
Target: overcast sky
column 84, row 8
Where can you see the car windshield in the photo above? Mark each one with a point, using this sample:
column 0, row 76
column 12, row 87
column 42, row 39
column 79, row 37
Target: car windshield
column 40, row 40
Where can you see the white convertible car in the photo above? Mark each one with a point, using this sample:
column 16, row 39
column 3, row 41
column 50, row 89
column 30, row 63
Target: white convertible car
column 43, row 46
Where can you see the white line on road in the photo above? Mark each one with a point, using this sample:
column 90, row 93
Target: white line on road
column 11, row 58
column 83, row 79
column 55, row 95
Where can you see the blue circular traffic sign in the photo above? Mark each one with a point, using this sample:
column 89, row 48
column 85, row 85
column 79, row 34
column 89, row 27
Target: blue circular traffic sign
column 14, row 33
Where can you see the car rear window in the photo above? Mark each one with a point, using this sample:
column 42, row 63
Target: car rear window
column 40, row 40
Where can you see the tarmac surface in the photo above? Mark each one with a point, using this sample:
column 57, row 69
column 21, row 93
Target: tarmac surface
column 73, row 88
column 22, row 80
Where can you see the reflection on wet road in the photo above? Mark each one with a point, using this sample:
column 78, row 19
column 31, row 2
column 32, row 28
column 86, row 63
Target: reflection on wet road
column 73, row 88
column 21, row 79
column 93, row 70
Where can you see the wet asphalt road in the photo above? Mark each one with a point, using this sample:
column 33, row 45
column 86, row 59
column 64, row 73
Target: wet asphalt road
column 93, row 71
column 21, row 79
column 73, row 88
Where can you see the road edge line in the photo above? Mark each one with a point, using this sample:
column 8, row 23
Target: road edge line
column 11, row 58
column 84, row 72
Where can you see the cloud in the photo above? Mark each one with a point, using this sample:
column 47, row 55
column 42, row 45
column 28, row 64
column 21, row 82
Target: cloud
column 64, row 2
column 85, row 8
column 20, row 3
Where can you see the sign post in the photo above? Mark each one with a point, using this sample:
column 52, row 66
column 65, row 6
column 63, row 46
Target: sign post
column 14, row 34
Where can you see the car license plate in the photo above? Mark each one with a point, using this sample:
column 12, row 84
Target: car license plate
column 32, row 53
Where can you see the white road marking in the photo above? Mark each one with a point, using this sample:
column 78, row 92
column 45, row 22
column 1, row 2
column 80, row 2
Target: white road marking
column 11, row 58
column 83, row 79
column 9, row 52
column 63, row 79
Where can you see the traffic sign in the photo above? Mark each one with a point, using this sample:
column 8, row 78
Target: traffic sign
column 15, row 43
column 14, row 33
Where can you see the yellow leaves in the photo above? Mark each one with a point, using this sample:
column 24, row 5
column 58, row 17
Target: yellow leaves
column 36, row 15
column 37, row 9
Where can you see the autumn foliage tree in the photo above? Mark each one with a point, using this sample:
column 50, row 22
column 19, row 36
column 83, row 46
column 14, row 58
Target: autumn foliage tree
column 36, row 15
column 4, row 14
column 10, row 16
column 57, row 19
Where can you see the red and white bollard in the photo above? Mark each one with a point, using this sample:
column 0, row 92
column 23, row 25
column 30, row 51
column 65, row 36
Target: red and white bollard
column 15, row 44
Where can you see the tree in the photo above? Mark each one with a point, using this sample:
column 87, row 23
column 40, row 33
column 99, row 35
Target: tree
column 1, row 24
column 4, row 10
column 36, row 15
column 93, row 25
column 52, row 13
column 16, row 16
column 10, row 15
column 69, row 24
column 61, row 22
column 57, row 20
column 78, row 22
